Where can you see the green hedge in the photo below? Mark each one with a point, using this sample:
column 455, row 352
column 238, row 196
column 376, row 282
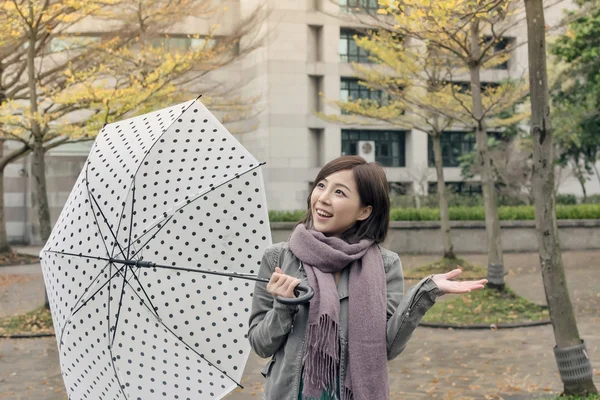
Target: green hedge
column 581, row 211
column 286, row 216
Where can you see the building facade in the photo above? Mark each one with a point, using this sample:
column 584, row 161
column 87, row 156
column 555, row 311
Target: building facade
column 304, row 62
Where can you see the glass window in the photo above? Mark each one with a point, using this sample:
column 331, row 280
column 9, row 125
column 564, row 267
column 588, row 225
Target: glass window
column 351, row 89
column 65, row 43
column 349, row 50
column 501, row 44
column 363, row 5
column 182, row 44
column 390, row 148
column 454, row 145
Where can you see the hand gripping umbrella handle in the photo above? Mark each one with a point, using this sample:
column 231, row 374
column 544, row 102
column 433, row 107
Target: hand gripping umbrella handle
column 305, row 298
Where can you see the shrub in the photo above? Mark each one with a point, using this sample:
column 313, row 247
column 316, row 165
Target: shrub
column 286, row 216
column 593, row 199
column 566, row 199
column 578, row 211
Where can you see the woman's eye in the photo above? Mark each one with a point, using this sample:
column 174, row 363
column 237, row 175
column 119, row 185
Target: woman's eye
column 340, row 192
column 320, row 185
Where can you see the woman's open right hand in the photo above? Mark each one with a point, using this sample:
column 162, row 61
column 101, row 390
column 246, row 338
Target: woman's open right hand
column 282, row 285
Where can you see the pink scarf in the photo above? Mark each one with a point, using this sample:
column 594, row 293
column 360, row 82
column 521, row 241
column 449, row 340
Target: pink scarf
column 322, row 256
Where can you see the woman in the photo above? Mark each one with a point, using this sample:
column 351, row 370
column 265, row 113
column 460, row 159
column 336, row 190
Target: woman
column 337, row 346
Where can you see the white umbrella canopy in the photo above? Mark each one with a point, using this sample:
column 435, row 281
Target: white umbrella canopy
column 150, row 267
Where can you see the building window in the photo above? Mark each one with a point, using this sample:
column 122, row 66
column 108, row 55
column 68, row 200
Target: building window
column 390, row 148
column 351, row 90
column 349, row 50
column 360, row 5
column 72, row 42
column 454, row 145
column 500, row 45
column 460, row 187
column 183, row 44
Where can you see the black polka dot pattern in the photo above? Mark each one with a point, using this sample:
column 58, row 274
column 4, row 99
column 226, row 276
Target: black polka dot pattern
column 176, row 189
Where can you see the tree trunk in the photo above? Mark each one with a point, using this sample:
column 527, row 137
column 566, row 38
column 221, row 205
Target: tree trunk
column 38, row 167
column 441, row 189
column 557, row 295
column 38, row 171
column 580, row 176
column 492, row 221
column 596, row 171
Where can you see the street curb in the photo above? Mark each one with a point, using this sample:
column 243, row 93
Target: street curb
column 423, row 324
column 484, row 326
column 27, row 336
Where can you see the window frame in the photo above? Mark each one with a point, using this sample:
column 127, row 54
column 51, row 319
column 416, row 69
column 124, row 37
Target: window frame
column 382, row 138
column 450, row 160
column 379, row 96
column 360, row 55
column 359, row 5
column 502, row 43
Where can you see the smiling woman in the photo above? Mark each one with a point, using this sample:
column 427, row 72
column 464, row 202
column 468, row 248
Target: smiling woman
column 354, row 193
column 360, row 316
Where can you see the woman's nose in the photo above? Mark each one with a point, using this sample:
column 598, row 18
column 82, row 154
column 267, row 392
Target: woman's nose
column 324, row 198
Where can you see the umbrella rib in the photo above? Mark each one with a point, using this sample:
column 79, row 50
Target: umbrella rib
column 154, row 144
column 112, row 362
column 236, row 176
column 107, row 224
column 112, row 341
column 198, row 354
column 87, row 185
column 153, row 236
column 153, row 309
column 148, row 264
column 249, row 277
column 109, row 297
column 77, row 255
column 86, row 301
column 131, row 220
column 160, row 321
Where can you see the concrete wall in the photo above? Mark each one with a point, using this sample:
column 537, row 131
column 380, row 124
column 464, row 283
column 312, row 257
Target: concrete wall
column 470, row 237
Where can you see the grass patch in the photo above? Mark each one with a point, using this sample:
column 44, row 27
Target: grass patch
column 12, row 258
column 444, row 265
column 35, row 322
column 487, row 306
column 589, row 397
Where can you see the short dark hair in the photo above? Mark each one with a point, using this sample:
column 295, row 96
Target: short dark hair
column 373, row 191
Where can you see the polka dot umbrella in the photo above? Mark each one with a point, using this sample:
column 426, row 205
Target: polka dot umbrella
column 151, row 265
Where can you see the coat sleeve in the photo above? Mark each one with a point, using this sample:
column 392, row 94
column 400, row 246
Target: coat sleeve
column 405, row 310
column 270, row 321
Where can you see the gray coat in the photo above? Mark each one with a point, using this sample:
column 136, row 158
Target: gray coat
column 277, row 330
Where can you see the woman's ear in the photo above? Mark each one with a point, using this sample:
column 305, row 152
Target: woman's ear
column 365, row 212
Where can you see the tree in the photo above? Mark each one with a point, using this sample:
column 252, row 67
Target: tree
column 417, row 92
column 405, row 100
column 557, row 296
column 61, row 84
column 467, row 34
column 510, row 151
column 576, row 94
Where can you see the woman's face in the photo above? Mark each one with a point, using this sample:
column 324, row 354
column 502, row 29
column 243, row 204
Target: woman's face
column 335, row 204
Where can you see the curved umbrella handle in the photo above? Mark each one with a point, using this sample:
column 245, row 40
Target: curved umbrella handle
column 305, row 298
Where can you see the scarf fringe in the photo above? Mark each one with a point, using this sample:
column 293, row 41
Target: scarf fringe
column 347, row 393
column 321, row 360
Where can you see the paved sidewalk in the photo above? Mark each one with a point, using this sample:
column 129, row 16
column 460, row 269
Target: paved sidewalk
column 515, row 364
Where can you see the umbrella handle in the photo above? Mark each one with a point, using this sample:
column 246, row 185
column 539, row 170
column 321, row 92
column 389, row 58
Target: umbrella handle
column 305, row 298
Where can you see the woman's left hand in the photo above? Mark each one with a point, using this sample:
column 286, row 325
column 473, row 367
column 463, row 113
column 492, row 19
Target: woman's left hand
column 447, row 286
